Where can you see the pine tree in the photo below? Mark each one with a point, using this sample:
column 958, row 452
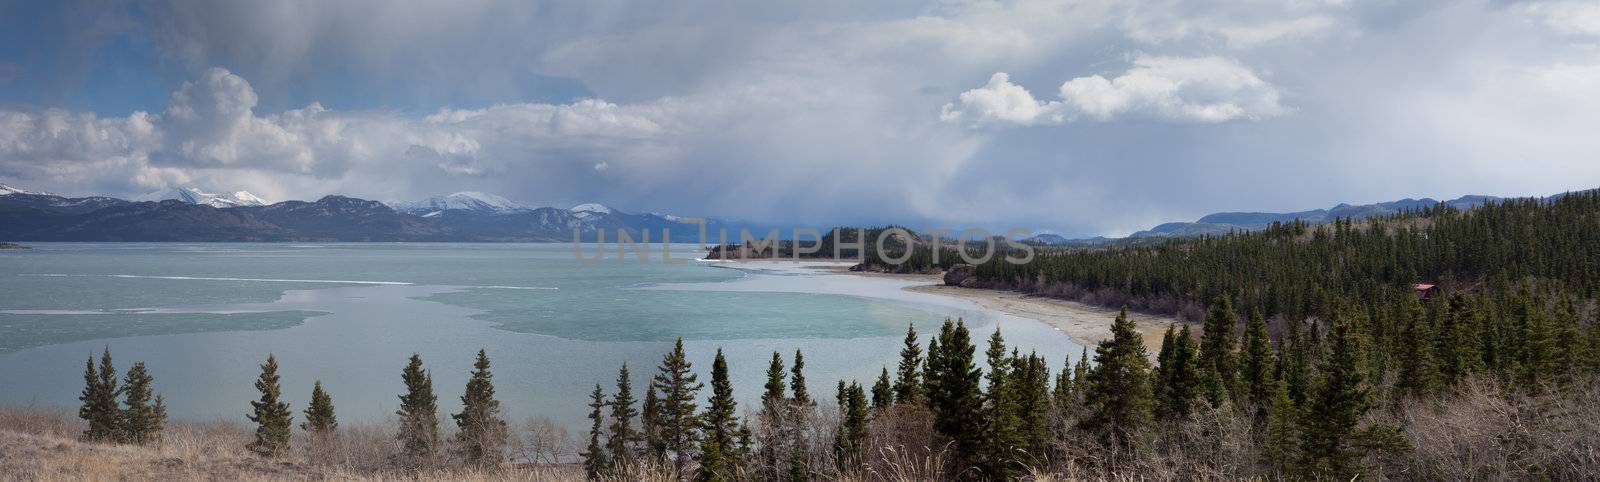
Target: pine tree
column 953, row 389
column 320, row 420
column 1080, row 372
column 1569, row 342
column 418, row 413
column 1216, row 357
column 1460, row 351
column 594, row 456
column 1064, row 396
column 1537, row 360
column 799, row 414
column 1418, row 374
column 99, row 399
column 720, row 421
column 622, row 438
column 999, row 413
column 773, row 415
column 482, row 437
column 140, row 422
column 1282, row 422
column 272, row 417
column 1118, row 388
column 852, row 425
column 773, row 396
column 1341, row 398
column 1159, row 374
column 650, row 424
column 1181, row 379
column 908, row 380
column 797, row 381
column 1031, row 379
column 677, row 420
column 882, row 391
column 1255, row 362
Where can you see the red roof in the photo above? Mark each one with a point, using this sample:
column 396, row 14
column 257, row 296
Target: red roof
column 1422, row 286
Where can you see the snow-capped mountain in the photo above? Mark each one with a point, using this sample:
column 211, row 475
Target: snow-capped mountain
column 469, row 201
column 195, row 196
column 8, row 190
column 590, row 210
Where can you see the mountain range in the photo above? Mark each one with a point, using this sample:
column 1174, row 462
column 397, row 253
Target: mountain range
column 188, row 214
column 1223, row 223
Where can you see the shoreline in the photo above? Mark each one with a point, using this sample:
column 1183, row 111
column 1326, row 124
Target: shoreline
column 1086, row 324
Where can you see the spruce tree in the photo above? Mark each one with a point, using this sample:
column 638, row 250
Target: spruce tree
column 140, row 421
column 954, row 390
column 799, row 414
column 677, row 421
column 1031, row 381
column 1537, row 360
column 1255, row 362
column 481, row 439
column 1080, row 372
column 1063, row 396
column 1158, row 375
column 100, row 399
column 623, row 438
column 1118, row 388
column 852, row 432
column 650, row 424
column 720, row 423
column 594, row 455
column 320, row 421
column 1460, row 351
column 272, row 416
column 797, row 381
column 418, row 413
column 1216, row 357
column 1181, row 379
column 1418, row 374
column 882, row 391
column 774, row 394
column 773, row 416
column 908, row 380
column 1282, row 425
column 999, row 414
column 1569, row 342
column 1341, row 399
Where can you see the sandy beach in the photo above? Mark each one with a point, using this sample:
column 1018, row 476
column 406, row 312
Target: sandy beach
column 1086, row 324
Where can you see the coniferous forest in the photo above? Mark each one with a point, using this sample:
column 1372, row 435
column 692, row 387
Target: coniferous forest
column 1437, row 344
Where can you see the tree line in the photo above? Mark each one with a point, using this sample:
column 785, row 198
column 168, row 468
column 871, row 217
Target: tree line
column 481, row 438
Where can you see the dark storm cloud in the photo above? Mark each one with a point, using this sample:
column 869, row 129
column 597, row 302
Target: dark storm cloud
column 1083, row 117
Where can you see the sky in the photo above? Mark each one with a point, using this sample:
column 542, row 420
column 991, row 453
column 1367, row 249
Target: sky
column 1079, row 117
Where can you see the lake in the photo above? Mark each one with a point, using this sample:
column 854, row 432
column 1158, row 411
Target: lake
column 204, row 316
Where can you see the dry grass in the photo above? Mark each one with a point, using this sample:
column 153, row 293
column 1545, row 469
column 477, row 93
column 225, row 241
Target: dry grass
column 42, row 444
column 1482, row 431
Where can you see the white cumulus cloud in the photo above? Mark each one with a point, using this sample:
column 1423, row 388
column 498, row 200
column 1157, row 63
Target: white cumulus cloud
column 1175, row 89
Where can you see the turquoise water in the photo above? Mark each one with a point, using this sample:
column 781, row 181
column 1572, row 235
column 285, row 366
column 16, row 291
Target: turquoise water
column 203, row 316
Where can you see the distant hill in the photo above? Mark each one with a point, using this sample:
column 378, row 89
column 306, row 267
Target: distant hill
column 197, row 216
column 1218, row 224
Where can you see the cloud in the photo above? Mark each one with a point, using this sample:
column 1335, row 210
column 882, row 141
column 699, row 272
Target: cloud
column 211, row 133
column 1202, row 90
column 837, row 112
column 1567, row 16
